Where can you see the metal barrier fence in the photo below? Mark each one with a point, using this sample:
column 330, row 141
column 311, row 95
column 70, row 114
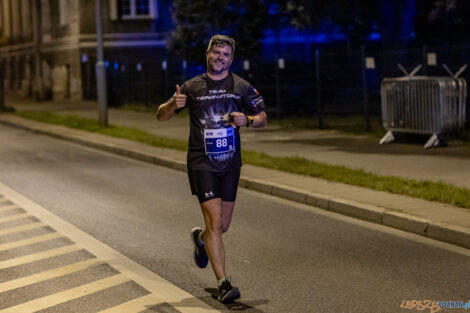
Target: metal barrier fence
column 423, row 105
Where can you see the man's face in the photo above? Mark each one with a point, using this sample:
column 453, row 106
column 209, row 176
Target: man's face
column 219, row 59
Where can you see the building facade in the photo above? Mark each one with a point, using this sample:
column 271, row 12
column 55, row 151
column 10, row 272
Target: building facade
column 48, row 47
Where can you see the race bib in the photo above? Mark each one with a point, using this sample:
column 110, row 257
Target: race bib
column 219, row 140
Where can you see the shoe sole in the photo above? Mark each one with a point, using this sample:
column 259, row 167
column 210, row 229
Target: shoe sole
column 197, row 250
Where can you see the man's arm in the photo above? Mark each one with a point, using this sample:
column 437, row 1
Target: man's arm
column 167, row 110
column 259, row 120
column 240, row 119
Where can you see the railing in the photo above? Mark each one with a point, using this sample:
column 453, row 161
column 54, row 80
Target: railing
column 423, row 105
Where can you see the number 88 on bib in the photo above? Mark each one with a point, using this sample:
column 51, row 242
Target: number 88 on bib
column 219, row 140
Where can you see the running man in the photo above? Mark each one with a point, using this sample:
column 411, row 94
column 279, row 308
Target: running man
column 219, row 102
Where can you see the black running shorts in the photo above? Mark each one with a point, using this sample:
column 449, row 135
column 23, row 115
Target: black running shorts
column 208, row 185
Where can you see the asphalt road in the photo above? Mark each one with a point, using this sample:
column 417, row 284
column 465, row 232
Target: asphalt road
column 284, row 257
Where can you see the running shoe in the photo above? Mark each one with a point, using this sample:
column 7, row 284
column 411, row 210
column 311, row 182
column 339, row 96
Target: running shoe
column 228, row 293
column 200, row 255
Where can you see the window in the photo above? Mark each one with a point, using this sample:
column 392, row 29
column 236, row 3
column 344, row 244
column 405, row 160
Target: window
column 133, row 9
column 142, row 7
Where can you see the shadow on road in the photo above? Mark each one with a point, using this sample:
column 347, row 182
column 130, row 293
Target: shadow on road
column 238, row 306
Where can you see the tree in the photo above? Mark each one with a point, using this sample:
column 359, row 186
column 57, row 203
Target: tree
column 443, row 20
column 354, row 17
column 197, row 20
column 249, row 27
column 311, row 14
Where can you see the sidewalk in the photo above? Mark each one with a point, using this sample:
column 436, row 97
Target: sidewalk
column 435, row 220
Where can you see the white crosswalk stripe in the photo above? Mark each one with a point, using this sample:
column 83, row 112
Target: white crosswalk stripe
column 136, row 305
column 160, row 290
column 56, row 272
column 14, row 217
column 69, row 294
column 8, row 207
column 29, row 241
column 21, row 228
column 38, row 256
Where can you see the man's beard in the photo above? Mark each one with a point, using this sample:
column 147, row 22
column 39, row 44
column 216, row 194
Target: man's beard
column 211, row 67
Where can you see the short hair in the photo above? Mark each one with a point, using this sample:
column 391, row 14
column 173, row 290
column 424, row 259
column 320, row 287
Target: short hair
column 221, row 40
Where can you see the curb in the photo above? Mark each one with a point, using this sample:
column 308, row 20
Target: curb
column 456, row 235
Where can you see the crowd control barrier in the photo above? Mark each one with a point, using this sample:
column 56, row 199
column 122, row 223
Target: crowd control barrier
column 423, row 105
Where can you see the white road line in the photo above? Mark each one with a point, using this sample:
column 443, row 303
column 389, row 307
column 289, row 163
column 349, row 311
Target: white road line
column 21, row 228
column 135, row 305
column 29, row 241
column 50, row 274
column 8, row 207
column 38, row 256
column 161, row 288
column 14, row 217
column 67, row 295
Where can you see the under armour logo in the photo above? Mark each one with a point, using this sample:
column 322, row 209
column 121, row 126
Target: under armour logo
column 209, row 194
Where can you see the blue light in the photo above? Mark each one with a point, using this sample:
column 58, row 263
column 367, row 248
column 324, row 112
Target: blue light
column 274, row 9
column 321, row 37
column 116, row 65
column 106, row 63
column 374, row 36
column 293, row 36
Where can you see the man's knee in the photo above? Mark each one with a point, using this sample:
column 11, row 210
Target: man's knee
column 225, row 227
column 215, row 226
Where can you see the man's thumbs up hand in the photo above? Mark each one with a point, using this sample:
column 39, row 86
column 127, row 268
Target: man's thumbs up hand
column 180, row 99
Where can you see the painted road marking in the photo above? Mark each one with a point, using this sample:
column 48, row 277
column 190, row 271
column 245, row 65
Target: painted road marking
column 56, row 272
column 21, row 228
column 67, row 295
column 8, row 207
column 38, row 256
column 161, row 290
column 29, row 241
column 14, row 217
column 136, row 305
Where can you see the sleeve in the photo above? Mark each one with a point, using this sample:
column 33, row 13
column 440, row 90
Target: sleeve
column 184, row 91
column 254, row 102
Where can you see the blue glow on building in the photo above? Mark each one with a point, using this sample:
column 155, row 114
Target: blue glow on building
column 293, row 36
column 374, row 37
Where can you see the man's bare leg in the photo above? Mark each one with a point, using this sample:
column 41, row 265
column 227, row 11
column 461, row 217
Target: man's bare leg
column 212, row 211
column 227, row 210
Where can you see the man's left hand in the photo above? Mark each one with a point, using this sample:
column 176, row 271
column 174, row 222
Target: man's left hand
column 239, row 119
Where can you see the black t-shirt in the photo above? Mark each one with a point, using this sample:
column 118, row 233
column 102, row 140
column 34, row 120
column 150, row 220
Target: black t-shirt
column 214, row 144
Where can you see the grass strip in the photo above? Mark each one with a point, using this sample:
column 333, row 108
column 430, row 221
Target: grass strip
column 6, row 109
column 112, row 130
column 427, row 190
